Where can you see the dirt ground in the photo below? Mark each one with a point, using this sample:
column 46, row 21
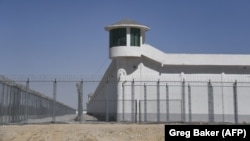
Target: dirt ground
column 82, row 132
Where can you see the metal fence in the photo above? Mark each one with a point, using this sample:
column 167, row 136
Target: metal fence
column 178, row 101
column 196, row 102
column 141, row 101
column 19, row 103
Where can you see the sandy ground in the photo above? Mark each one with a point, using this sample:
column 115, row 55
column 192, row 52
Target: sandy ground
column 83, row 132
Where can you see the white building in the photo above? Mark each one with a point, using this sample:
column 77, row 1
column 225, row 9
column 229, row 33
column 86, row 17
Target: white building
column 145, row 84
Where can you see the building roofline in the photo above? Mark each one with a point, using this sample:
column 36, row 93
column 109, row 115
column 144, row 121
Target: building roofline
column 195, row 59
column 126, row 23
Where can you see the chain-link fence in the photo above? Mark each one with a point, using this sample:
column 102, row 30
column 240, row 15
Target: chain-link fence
column 33, row 101
column 160, row 111
column 20, row 104
column 176, row 101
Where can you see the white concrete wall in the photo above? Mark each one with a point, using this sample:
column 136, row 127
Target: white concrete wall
column 147, row 72
column 104, row 99
column 152, row 66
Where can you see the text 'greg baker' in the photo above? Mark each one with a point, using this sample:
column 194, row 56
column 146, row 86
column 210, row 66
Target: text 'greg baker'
column 196, row 132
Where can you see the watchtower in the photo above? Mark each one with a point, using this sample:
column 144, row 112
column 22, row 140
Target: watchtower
column 125, row 38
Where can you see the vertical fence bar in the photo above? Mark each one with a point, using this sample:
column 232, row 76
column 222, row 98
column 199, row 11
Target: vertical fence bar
column 183, row 101
column 36, row 111
column 133, row 101
column 12, row 98
column 222, row 96
column 167, row 102
column 139, row 111
column 21, row 109
column 7, row 109
column 189, row 103
column 81, row 99
column 54, row 102
column 26, row 101
column 12, row 101
column 158, row 101
column 10, row 104
column 2, row 112
column 5, row 103
column 145, row 102
column 210, row 102
column 18, row 104
column 14, row 109
column 135, row 111
column 235, row 102
column 34, row 106
column 23, row 106
column 79, row 87
column 123, row 102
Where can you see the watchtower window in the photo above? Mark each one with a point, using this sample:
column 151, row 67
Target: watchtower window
column 135, row 37
column 117, row 37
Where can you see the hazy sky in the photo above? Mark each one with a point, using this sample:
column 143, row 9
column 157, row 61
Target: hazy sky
column 67, row 37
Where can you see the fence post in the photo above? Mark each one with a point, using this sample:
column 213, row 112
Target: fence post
column 145, row 102
column 133, row 101
column 235, row 102
column 123, row 101
column 189, row 103
column 222, row 95
column 2, row 112
column 9, row 97
column 26, row 100
column 18, row 105
column 80, row 96
column 12, row 108
column 54, row 102
column 183, row 101
column 158, row 101
column 81, row 99
column 167, row 102
column 139, row 111
column 135, row 111
column 210, row 102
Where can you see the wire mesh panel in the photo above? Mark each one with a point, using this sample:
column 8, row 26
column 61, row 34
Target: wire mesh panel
column 170, row 110
column 199, row 101
column 223, row 102
column 106, row 110
column 19, row 104
column 127, row 114
column 242, row 102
